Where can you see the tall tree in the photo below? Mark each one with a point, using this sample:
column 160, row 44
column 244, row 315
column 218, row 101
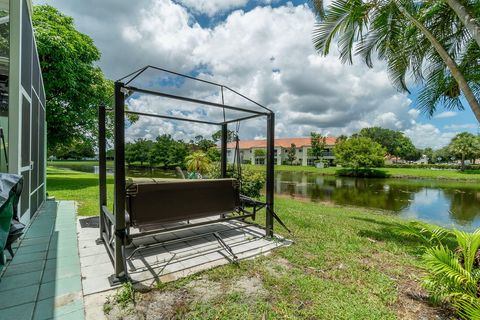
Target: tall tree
column 414, row 38
column 74, row 85
column 428, row 152
column 394, row 142
column 291, row 153
column 464, row 146
column 466, row 15
column 317, row 143
column 359, row 152
column 231, row 136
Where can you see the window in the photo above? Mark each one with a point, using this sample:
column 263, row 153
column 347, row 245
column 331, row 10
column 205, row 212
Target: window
column 259, row 160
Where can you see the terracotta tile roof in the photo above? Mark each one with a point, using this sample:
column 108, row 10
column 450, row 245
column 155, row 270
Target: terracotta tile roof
column 284, row 143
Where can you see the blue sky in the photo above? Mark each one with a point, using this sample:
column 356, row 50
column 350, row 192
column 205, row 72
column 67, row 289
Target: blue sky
column 263, row 49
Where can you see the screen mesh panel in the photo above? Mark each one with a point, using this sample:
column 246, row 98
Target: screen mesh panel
column 35, row 142
column 27, row 40
column 25, row 156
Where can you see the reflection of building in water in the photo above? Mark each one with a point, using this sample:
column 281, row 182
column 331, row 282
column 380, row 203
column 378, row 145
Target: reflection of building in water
column 253, row 151
column 22, row 104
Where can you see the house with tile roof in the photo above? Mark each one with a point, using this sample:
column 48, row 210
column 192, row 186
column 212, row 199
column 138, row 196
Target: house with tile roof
column 254, row 151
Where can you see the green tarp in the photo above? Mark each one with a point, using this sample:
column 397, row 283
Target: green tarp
column 8, row 190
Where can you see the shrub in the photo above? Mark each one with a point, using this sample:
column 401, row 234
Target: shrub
column 433, row 166
column 359, row 152
column 252, row 182
column 362, row 173
column 452, row 263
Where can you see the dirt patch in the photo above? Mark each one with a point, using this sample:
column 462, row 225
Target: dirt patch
column 251, row 287
column 204, row 289
column 412, row 302
column 277, row 267
column 168, row 304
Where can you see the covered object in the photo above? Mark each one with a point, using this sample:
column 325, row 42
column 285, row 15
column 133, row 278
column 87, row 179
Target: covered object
column 10, row 189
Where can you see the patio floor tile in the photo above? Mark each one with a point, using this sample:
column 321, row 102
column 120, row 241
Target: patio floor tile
column 23, row 268
column 60, row 287
column 21, row 312
column 43, row 280
column 28, row 257
column 15, row 297
column 20, row 280
column 49, row 308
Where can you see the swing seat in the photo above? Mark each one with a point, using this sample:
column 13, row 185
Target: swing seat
column 161, row 201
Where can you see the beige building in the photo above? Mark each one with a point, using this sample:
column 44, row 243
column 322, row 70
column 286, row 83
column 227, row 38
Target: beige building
column 253, row 151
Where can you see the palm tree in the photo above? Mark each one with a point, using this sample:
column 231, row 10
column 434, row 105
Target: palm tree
column 467, row 17
column 464, row 145
column 408, row 34
column 197, row 162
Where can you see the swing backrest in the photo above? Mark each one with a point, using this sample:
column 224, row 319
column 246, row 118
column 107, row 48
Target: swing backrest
column 157, row 201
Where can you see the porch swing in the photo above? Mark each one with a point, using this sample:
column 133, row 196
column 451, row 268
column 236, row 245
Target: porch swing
column 156, row 206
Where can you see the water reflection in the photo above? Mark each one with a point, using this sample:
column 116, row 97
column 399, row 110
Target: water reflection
column 447, row 203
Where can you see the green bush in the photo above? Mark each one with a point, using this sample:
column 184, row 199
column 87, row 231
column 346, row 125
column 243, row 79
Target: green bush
column 359, row 153
column 452, row 263
column 362, row 173
column 252, row 181
column 432, row 166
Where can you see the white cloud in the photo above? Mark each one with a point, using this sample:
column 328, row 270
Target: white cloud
column 466, row 126
column 414, row 113
column 265, row 53
column 212, row 7
column 445, row 114
column 427, row 135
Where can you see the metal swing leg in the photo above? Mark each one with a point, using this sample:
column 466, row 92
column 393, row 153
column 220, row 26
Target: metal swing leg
column 226, row 246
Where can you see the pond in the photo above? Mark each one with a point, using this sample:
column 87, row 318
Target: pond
column 448, row 203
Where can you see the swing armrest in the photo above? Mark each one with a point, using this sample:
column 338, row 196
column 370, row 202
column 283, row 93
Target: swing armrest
column 250, row 202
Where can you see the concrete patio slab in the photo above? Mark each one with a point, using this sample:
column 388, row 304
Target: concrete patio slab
column 165, row 262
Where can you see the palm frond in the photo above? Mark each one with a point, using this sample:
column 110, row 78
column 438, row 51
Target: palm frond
column 442, row 261
column 318, row 7
column 467, row 306
column 469, row 244
column 430, row 235
column 345, row 19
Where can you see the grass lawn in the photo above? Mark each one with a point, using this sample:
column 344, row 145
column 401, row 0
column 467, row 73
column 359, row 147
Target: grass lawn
column 78, row 186
column 392, row 172
column 345, row 264
column 75, row 162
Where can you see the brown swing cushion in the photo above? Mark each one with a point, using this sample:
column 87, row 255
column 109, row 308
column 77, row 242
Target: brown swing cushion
column 155, row 201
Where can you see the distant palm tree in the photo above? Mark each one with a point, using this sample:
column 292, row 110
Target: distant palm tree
column 197, row 162
column 464, row 145
column 425, row 39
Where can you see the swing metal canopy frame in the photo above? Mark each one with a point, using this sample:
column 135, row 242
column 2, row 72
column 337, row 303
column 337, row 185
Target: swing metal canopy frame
column 124, row 87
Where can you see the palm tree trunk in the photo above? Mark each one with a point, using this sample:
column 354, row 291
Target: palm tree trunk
column 467, row 19
column 451, row 64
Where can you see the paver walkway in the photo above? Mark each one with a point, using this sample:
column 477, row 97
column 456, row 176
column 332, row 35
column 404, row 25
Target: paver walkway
column 43, row 281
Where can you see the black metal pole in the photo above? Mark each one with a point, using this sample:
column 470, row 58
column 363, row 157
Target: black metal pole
column 119, row 179
column 223, row 151
column 102, row 165
column 270, row 173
